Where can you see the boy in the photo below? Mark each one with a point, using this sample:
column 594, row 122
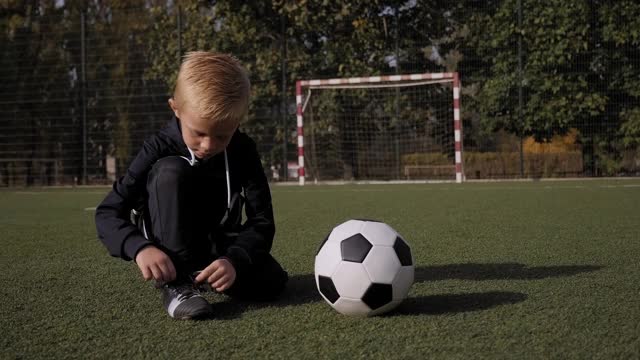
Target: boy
column 178, row 209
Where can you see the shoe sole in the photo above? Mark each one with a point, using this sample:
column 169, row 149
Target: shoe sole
column 199, row 315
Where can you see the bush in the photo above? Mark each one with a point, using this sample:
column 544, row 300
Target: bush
column 489, row 165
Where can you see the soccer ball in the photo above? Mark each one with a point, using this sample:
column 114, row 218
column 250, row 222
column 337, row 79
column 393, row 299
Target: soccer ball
column 364, row 267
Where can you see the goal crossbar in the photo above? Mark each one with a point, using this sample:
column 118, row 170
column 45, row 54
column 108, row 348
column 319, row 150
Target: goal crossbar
column 371, row 85
column 378, row 79
column 379, row 82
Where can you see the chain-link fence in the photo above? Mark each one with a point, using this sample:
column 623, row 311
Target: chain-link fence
column 549, row 89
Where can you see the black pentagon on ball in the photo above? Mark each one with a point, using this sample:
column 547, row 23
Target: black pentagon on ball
column 403, row 252
column 378, row 295
column 368, row 220
column 355, row 248
column 328, row 289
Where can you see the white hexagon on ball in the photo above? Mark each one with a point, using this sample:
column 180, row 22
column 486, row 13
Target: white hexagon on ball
column 364, row 267
column 345, row 230
column 351, row 280
column 329, row 256
column 379, row 233
column 382, row 264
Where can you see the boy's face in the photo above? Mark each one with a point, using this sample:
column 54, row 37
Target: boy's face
column 205, row 137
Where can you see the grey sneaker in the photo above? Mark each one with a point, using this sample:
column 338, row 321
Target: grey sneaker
column 184, row 302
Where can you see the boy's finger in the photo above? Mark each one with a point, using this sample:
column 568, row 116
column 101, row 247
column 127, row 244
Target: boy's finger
column 146, row 273
column 213, row 278
column 203, row 275
column 157, row 273
column 226, row 285
column 208, row 271
column 222, row 281
column 172, row 271
column 217, row 275
column 166, row 272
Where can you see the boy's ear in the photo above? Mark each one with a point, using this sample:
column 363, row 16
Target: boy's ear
column 174, row 107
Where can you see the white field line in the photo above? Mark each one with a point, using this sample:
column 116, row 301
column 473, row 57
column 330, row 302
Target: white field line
column 458, row 188
column 452, row 188
column 452, row 181
column 437, row 188
column 45, row 192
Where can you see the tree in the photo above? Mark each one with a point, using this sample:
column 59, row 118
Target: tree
column 555, row 39
column 35, row 85
column 121, row 104
column 618, row 68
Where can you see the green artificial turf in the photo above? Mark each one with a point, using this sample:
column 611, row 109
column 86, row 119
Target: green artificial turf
column 503, row 270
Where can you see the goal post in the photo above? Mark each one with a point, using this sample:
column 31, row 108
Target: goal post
column 395, row 127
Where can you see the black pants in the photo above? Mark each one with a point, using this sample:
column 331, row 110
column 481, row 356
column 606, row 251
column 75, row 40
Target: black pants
column 183, row 212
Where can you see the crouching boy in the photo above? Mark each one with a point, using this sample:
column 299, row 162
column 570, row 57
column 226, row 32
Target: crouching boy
column 177, row 212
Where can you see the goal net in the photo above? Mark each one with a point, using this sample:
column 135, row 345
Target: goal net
column 400, row 127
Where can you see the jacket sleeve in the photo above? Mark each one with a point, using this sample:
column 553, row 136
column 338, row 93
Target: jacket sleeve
column 113, row 216
column 256, row 235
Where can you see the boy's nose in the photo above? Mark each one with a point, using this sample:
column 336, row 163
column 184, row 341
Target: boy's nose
column 205, row 144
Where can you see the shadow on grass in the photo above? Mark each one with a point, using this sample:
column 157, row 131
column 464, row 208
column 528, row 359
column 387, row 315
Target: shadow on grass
column 498, row 271
column 456, row 303
column 301, row 289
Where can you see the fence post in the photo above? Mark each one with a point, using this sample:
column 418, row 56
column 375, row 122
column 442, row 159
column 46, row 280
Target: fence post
column 396, row 128
column 520, row 100
column 179, row 21
column 283, row 105
column 83, row 89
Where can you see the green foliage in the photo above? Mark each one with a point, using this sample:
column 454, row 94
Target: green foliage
column 484, row 165
column 621, row 27
column 37, row 94
column 579, row 65
column 425, row 159
column 621, row 21
column 554, row 37
column 503, row 164
column 630, row 128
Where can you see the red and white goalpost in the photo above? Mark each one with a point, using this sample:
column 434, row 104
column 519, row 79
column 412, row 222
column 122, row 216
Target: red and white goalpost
column 395, row 127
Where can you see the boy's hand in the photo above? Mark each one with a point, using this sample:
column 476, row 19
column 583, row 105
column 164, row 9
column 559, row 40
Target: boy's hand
column 220, row 275
column 155, row 264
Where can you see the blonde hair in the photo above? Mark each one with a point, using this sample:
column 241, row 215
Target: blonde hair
column 216, row 85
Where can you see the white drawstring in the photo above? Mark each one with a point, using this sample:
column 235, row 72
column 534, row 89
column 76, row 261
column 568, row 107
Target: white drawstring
column 193, row 159
column 192, row 162
column 226, row 168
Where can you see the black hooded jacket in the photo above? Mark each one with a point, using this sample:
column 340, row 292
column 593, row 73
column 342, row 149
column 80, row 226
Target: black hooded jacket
column 124, row 239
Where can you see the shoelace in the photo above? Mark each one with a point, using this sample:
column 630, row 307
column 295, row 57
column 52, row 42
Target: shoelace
column 201, row 287
column 184, row 291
